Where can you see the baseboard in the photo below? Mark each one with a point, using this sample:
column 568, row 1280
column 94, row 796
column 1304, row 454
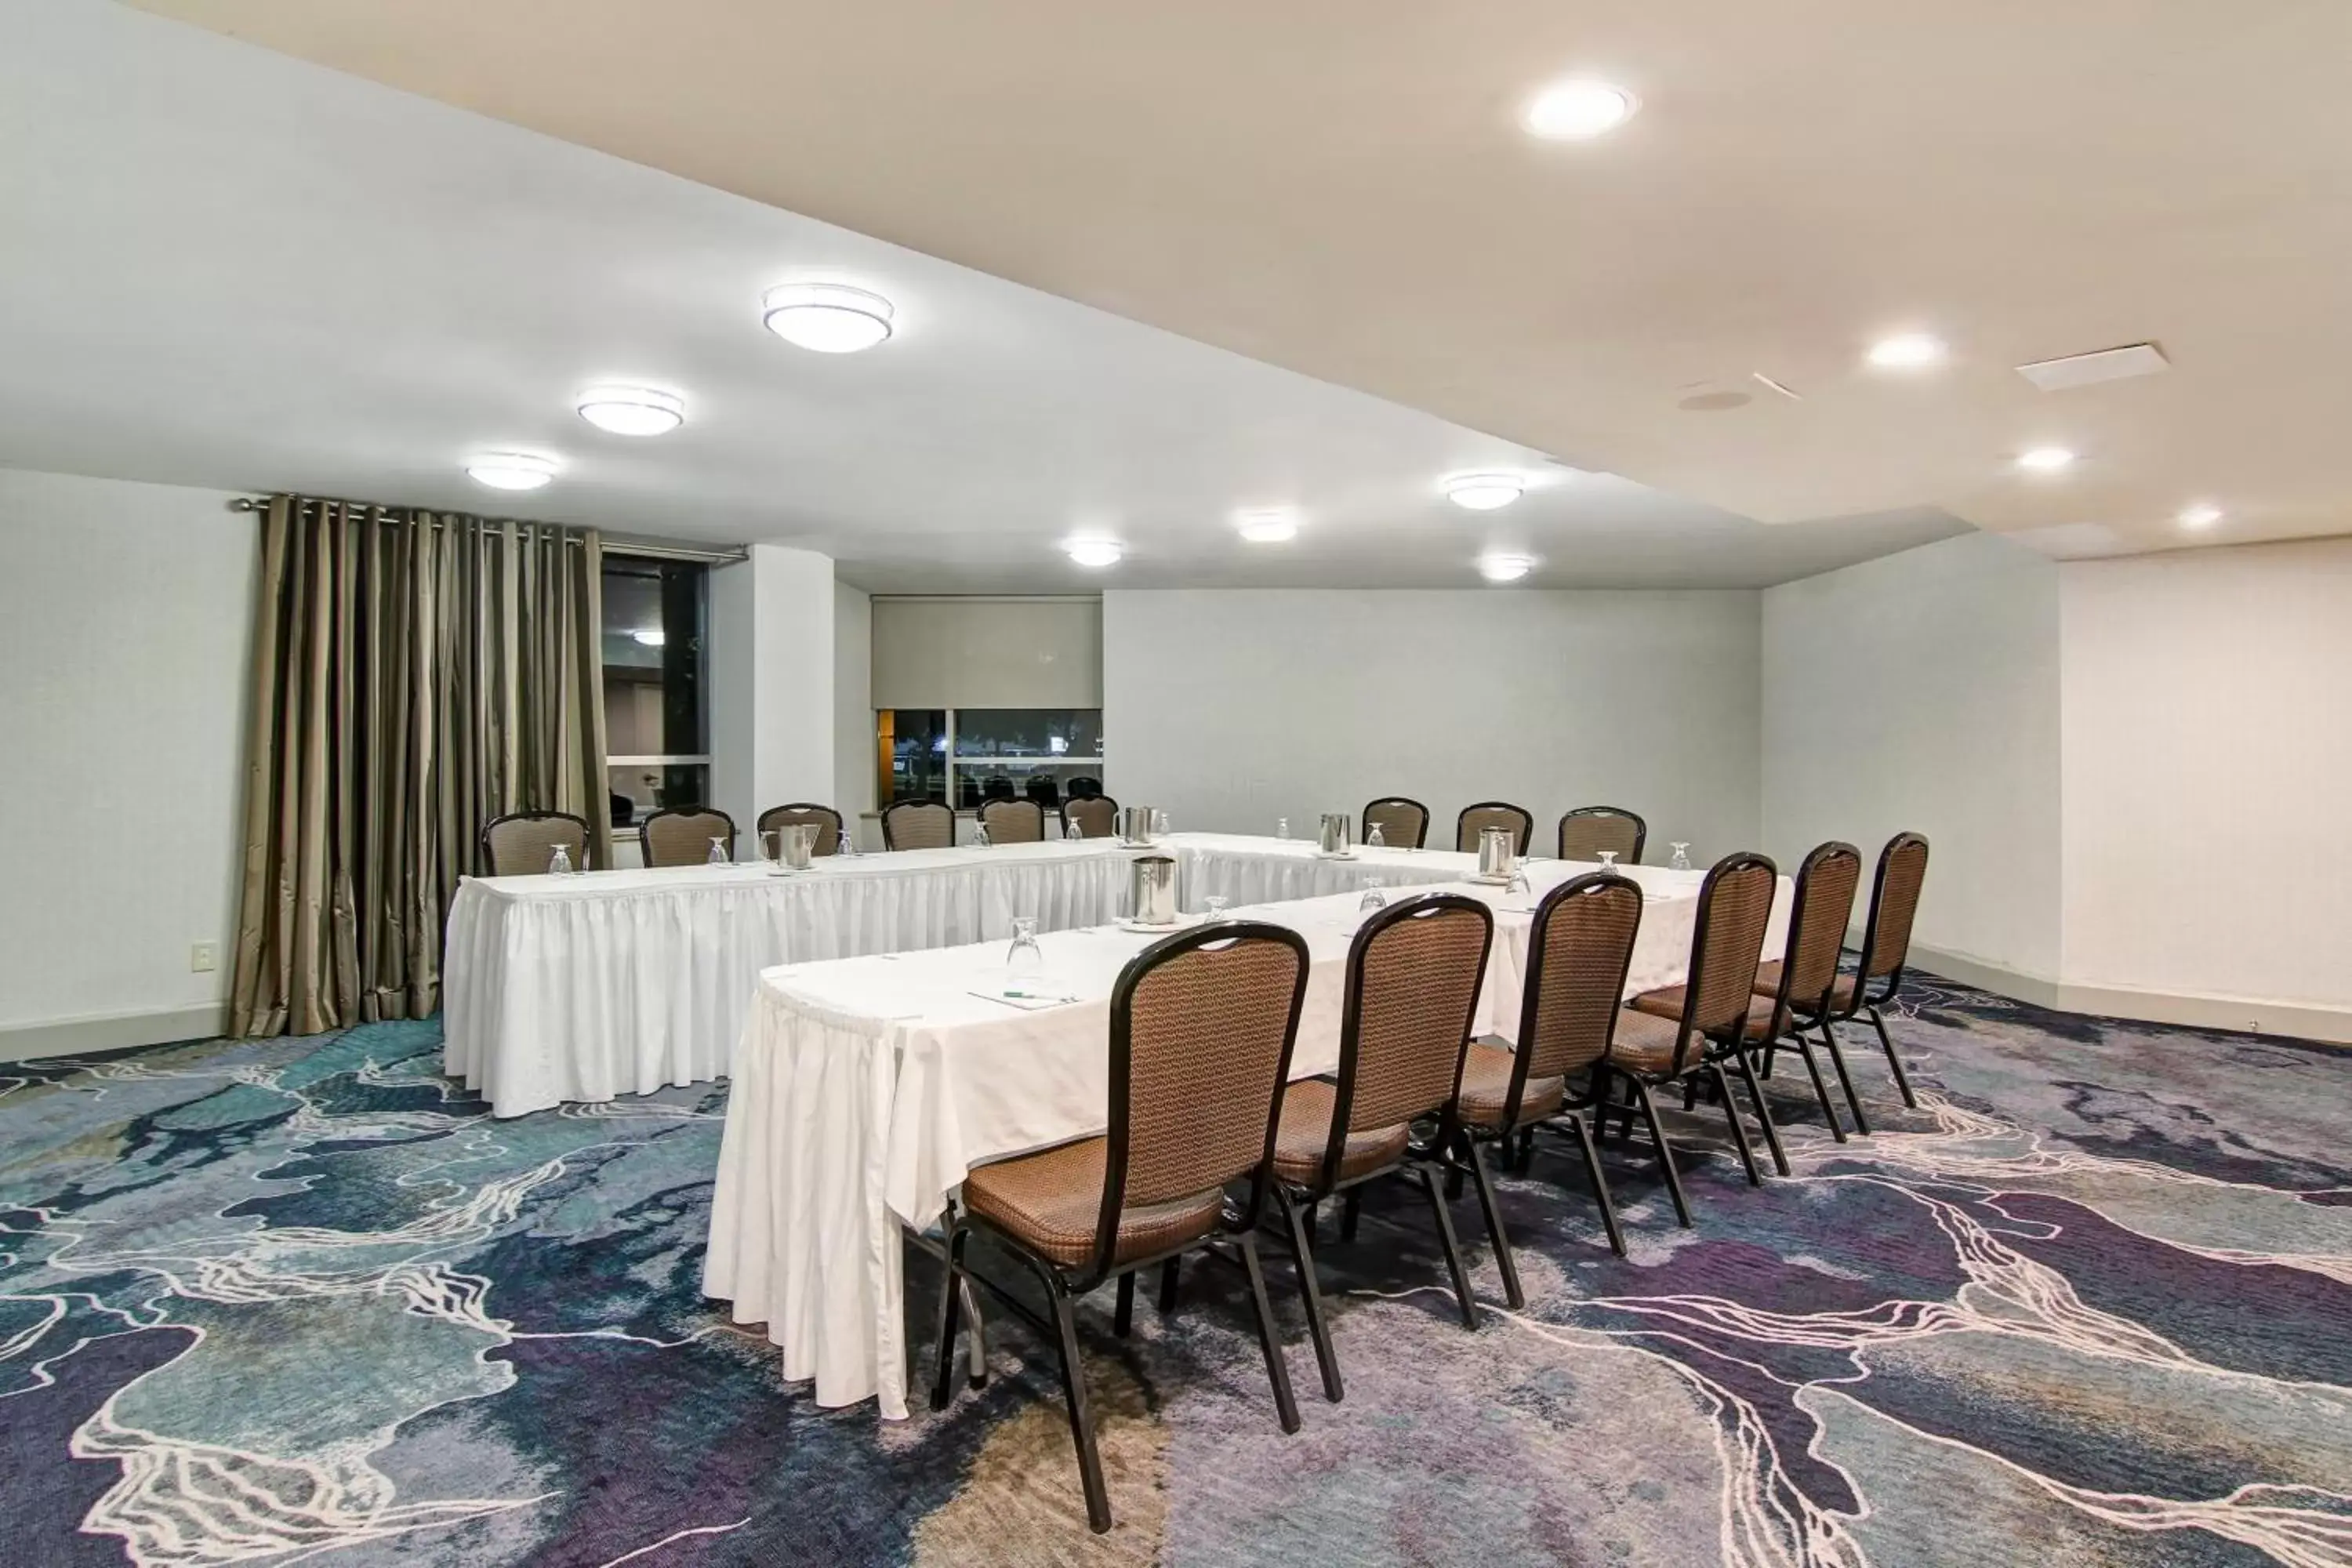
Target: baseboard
column 111, row 1031
column 2243, row 1015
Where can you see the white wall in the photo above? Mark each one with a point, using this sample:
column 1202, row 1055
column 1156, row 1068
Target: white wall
column 772, row 684
column 2208, row 720
column 124, row 611
column 1921, row 691
column 853, row 705
column 1231, row 709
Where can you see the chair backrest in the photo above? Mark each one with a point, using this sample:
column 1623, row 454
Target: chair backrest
column 1590, row 830
column 1735, row 905
column 1014, row 821
column 1824, row 907
column 1041, row 789
column 1201, row 1027
column 682, row 835
column 917, row 824
column 1894, row 904
column 1091, row 815
column 998, row 788
column 1083, row 788
column 1579, row 951
column 1404, row 824
column 521, row 843
column 803, row 814
column 1412, row 991
column 1477, row 819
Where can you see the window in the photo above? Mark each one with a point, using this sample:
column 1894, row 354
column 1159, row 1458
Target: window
column 961, row 754
column 657, row 735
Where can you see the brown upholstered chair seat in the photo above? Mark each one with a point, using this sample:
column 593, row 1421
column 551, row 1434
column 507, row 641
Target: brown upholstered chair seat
column 1306, row 1131
column 1052, row 1199
column 1768, row 984
column 1645, row 1042
column 1666, row 1002
column 1486, row 1088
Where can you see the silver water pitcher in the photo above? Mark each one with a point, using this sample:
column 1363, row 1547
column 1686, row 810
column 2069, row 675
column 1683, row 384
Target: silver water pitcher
column 1333, row 838
column 1151, row 881
column 799, row 842
column 1135, row 824
column 1495, row 857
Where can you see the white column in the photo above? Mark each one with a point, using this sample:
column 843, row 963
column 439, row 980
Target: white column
column 771, row 683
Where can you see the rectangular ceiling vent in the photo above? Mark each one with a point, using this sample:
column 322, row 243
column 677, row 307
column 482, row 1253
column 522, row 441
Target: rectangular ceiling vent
column 2089, row 370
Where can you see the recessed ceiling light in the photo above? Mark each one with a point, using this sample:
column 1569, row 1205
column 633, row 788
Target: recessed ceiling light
column 1501, row 568
column 652, row 636
column 1485, row 492
column 831, row 318
column 631, row 410
column 2199, row 514
column 1580, row 108
column 2045, row 459
column 1094, row 552
column 1269, row 526
column 511, row 470
column 1906, row 350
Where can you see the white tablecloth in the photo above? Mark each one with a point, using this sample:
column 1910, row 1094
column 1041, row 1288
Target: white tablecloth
column 864, row 1090
column 581, row 988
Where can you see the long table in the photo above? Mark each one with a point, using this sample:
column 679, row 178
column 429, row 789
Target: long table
column 866, row 1089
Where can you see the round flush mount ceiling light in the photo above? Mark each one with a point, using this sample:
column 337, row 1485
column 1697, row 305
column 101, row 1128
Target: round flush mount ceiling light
column 1485, row 492
column 631, row 410
column 1578, row 110
column 2199, row 514
column 2044, row 460
column 1094, row 551
column 651, row 637
column 511, row 470
column 1271, row 525
column 830, row 318
column 1906, row 350
column 1505, row 568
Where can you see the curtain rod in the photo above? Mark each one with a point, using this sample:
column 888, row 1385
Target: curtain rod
column 612, row 544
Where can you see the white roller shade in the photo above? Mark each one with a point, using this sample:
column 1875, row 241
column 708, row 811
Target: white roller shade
column 987, row 652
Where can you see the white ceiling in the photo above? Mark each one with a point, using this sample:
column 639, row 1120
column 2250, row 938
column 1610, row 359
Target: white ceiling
column 225, row 267
column 1339, row 186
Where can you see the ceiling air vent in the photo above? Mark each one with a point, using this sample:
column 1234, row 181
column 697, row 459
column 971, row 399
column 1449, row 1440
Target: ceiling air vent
column 2088, row 370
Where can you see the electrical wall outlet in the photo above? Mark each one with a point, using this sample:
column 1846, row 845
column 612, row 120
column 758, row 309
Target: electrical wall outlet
column 203, row 957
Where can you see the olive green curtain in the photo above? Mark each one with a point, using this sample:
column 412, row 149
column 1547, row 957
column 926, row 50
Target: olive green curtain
column 415, row 674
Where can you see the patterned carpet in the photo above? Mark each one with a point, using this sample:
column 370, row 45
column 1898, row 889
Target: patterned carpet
column 301, row 1301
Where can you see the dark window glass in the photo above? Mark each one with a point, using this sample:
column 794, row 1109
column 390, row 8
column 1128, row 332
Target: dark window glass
column 656, row 643
column 913, row 744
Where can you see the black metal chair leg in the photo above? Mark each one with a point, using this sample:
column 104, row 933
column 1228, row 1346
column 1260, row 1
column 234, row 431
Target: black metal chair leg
column 951, row 1292
column 1665, row 1154
column 1599, row 1185
column 1453, row 1248
column 1738, row 1128
column 1821, row 1087
column 1902, row 1078
column 1845, row 1080
column 1453, row 1180
column 1352, row 1209
column 1302, row 1258
column 1168, row 1271
column 1767, row 1070
column 1074, row 1390
column 975, row 1335
column 1123, row 1317
column 1763, row 1113
column 1277, row 1371
column 1504, row 1262
column 1690, row 1095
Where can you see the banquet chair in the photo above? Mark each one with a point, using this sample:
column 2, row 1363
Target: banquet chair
column 917, row 824
column 1201, row 1027
column 803, row 814
column 1477, row 819
column 1590, row 830
column 998, row 788
column 1041, row 789
column 1579, row 949
column 682, row 835
column 1082, row 788
column 1403, row 824
column 522, row 843
column 1014, row 821
column 1886, row 946
column 1090, row 816
column 1410, row 994
column 1659, row 1043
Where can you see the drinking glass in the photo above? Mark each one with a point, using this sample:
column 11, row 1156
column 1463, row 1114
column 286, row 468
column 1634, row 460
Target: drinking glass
column 1518, row 882
column 1373, row 899
column 1158, row 824
column 1217, row 903
column 1374, row 838
column 1608, row 860
column 560, row 863
column 718, row 854
column 1681, row 862
column 980, row 835
column 849, row 845
column 1282, row 827
column 1024, row 960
